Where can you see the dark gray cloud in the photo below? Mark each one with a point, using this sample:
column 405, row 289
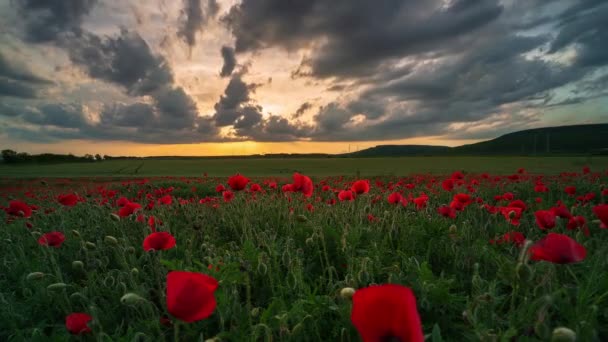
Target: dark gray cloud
column 301, row 110
column 46, row 20
column 233, row 102
column 14, row 88
column 17, row 81
column 358, row 35
column 195, row 16
column 229, row 61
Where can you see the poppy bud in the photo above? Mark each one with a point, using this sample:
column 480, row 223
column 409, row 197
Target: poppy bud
column 110, row 240
column 255, row 312
column 76, row 233
column 563, row 334
column 135, row 272
column 452, row 229
column 35, row 276
column 57, row 286
column 347, row 293
column 512, row 214
column 114, row 217
column 90, row 245
column 132, row 299
column 78, row 265
column 524, row 271
column 262, row 268
column 130, row 250
column 301, row 218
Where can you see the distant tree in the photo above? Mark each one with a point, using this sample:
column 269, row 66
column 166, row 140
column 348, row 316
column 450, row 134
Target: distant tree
column 98, row 157
column 9, row 156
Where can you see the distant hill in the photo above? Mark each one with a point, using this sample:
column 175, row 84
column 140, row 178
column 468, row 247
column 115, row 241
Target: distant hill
column 400, row 150
column 576, row 139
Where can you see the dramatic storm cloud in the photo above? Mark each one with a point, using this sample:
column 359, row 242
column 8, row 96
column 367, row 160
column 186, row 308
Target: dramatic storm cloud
column 195, row 71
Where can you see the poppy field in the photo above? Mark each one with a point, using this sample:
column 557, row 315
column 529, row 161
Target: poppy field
column 515, row 256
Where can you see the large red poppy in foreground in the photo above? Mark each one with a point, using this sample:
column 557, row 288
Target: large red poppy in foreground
column 190, row 296
column 386, row 313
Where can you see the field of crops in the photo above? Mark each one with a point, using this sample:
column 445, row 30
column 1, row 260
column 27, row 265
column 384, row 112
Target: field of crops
column 506, row 256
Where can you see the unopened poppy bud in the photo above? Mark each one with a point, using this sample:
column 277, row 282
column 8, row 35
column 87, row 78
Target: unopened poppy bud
column 132, row 299
column 347, row 293
column 35, row 276
column 524, row 271
column 135, row 271
column 76, row 233
column 512, row 214
column 452, row 229
column 563, row 334
column 262, row 268
column 110, row 240
column 90, row 245
column 114, row 217
column 57, row 286
column 130, row 250
column 301, row 218
column 255, row 312
column 78, row 265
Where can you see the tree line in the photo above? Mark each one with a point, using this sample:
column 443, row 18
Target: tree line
column 14, row 157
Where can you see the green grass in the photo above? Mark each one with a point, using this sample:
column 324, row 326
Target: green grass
column 313, row 167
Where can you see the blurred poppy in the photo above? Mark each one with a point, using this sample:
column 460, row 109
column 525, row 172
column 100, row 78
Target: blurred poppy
column 238, row 182
column 346, row 195
column 558, row 249
column 394, row 198
column 386, row 313
column 52, row 239
column 360, row 187
column 19, row 209
column 601, row 211
column 159, row 241
column 69, row 200
column 76, row 323
column 190, row 296
column 545, row 219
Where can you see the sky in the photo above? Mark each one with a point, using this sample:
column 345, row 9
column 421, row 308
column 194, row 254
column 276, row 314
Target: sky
column 213, row 77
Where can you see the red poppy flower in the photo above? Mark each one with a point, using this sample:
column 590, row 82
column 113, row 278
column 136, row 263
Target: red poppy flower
column 586, row 170
column 220, row 188
column 166, row 200
column 447, row 211
column 570, row 190
column 238, row 182
column 518, row 204
column 128, row 209
column 457, row 175
column 159, row 241
column 18, row 208
column 255, row 187
column 360, row 187
column 514, row 237
column 541, row 188
column 69, row 200
column 190, row 295
column 121, row 202
column 52, row 239
column 386, row 313
column 152, row 221
column 561, row 211
column 228, row 196
column 394, row 198
column 558, row 249
column 577, row 222
column 421, row 202
column 346, row 195
column 76, row 323
column 511, row 214
column 545, row 219
column 601, row 211
column 448, row 185
column 302, row 184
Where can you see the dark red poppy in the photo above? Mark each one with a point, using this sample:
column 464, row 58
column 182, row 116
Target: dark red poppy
column 558, row 249
column 518, row 204
column 511, row 214
column 394, row 198
column 302, row 184
column 121, row 202
column 545, row 219
column 601, row 211
column 541, row 188
column 238, row 182
column 447, row 211
column 220, row 188
column 190, row 296
column 228, row 196
column 578, row 222
column 52, row 239
column 561, row 211
column 69, row 200
column 570, row 190
column 159, row 241
column 421, row 201
column 346, row 195
column 128, row 209
column 19, row 209
column 360, row 187
column 386, row 313
column 514, row 237
column 76, row 323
